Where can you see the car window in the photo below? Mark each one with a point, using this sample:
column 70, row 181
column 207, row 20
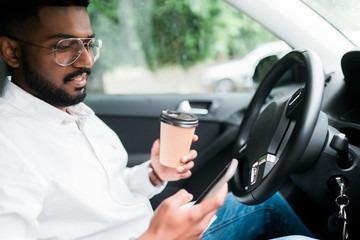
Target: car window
column 177, row 46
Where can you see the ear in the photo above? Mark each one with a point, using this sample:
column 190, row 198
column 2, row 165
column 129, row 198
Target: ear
column 10, row 51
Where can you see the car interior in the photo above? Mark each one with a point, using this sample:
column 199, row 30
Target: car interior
column 320, row 145
column 297, row 133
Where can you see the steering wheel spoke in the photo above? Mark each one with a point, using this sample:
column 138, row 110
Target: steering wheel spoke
column 295, row 103
column 260, row 169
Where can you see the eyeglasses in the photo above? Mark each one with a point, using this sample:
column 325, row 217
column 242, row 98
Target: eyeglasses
column 68, row 50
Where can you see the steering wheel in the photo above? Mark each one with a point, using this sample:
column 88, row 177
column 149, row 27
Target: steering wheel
column 270, row 142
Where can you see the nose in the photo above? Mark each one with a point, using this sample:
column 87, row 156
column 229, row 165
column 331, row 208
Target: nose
column 85, row 59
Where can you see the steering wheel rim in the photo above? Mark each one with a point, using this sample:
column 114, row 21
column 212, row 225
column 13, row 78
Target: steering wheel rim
column 274, row 166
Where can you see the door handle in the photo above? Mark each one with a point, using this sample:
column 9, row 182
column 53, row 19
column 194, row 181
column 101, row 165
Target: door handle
column 185, row 106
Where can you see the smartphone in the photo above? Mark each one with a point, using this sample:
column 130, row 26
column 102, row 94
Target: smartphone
column 224, row 176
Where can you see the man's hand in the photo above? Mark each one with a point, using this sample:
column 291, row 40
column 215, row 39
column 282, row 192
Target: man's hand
column 174, row 223
column 172, row 174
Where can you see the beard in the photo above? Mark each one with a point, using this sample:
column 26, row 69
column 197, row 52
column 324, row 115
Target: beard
column 49, row 92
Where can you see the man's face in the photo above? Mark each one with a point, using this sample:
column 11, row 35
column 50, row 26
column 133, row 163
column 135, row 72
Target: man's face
column 60, row 86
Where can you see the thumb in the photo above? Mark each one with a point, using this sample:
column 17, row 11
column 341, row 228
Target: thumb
column 180, row 198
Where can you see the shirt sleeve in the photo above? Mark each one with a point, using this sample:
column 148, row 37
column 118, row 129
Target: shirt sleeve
column 20, row 202
column 138, row 179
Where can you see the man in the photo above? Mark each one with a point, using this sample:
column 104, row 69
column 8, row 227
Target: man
column 63, row 172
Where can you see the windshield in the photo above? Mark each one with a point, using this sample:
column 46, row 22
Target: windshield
column 343, row 14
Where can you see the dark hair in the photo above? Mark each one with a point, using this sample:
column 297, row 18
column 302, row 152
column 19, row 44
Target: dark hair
column 19, row 13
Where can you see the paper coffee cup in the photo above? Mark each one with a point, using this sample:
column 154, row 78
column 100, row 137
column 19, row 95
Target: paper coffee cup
column 176, row 134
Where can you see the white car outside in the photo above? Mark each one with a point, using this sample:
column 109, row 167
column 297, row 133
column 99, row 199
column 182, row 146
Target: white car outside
column 238, row 74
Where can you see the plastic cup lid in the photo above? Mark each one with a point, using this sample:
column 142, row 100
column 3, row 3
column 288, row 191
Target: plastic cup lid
column 179, row 119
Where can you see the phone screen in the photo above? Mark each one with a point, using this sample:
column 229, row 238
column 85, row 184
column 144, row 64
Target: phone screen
column 224, row 176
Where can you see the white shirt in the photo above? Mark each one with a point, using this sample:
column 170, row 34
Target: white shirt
column 64, row 176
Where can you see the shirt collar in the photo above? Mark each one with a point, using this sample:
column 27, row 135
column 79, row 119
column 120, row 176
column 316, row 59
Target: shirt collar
column 40, row 109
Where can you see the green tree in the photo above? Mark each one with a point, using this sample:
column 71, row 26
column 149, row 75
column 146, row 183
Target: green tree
column 184, row 32
column 107, row 8
column 180, row 35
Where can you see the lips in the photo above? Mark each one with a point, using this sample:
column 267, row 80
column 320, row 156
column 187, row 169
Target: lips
column 79, row 80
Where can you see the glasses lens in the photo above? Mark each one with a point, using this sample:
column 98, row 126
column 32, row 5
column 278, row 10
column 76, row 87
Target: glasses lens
column 68, row 50
column 94, row 48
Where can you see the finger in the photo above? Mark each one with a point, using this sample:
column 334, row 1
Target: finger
column 195, row 138
column 207, row 220
column 186, row 167
column 180, row 198
column 190, row 156
column 156, row 146
column 209, row 216
column 156, row 143
column 185, row 175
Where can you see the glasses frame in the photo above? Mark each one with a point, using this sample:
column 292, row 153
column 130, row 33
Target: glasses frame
column 84, row 41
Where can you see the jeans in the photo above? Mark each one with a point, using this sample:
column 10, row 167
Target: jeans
column 271, row 219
